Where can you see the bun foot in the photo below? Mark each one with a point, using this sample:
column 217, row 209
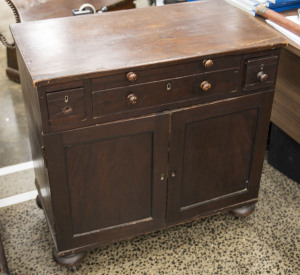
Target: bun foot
column 244, row 211
column 69, row 261
column 38, row 202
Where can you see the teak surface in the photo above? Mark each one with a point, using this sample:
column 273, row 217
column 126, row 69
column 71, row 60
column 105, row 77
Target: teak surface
column 97, row 44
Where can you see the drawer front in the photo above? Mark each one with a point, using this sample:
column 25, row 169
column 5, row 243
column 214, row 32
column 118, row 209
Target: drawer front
column 164, row 92
column 66, row 106
column 136, row 76
column 260, row 73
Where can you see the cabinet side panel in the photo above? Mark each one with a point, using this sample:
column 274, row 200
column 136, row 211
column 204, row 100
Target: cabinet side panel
column 34, row 121
column 286, row 111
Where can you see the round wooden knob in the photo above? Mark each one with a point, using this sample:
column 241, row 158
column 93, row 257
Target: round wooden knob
column 131, row 76
column 67, row 110
column 205, row 86
column 262, row 76
column 208, row 63
column 132, row 99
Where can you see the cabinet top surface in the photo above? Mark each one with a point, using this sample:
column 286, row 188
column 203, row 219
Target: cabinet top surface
column 86, row 46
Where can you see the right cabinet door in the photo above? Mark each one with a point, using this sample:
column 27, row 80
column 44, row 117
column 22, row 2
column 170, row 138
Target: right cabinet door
column 216, row 155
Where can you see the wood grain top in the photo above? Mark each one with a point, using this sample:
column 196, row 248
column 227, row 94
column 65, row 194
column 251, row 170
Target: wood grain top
column 86, row 46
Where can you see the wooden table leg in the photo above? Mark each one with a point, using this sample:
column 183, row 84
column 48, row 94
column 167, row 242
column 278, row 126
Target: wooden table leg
column 12, row 70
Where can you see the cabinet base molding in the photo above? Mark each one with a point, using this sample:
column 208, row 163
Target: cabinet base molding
column 244, row 211
column 70, row 260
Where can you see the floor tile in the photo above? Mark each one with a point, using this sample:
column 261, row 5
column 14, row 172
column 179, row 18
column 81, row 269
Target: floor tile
column 17, row 183
column 267, row 242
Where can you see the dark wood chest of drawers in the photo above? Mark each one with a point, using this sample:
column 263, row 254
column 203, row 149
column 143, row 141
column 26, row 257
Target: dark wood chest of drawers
column 138, row 124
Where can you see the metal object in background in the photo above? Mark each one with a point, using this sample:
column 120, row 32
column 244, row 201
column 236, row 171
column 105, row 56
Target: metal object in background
column 84, row 9
column 278, row 19
column 166, row 2
column 17, row 17
column 88, row 9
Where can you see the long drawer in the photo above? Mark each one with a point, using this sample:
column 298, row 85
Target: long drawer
column 141, row 75
column 167, row 91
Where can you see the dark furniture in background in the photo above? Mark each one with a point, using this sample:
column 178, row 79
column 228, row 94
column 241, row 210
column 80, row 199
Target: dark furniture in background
column 32, row 10
column 284, row 153
column 138, row 125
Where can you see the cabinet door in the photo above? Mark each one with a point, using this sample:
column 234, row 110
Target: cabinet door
column 216, row 155
column 108, row 182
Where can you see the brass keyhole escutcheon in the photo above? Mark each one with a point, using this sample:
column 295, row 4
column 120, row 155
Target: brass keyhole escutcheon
column 262, row 67
column 162, row 177
column 66, row 99
column 169, row 87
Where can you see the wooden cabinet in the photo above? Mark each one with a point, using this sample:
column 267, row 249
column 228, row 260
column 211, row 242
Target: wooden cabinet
column 133, row 141
column 138, row 175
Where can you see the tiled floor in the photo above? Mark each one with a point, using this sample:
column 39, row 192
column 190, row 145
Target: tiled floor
column 267, row 242
column 16, row 183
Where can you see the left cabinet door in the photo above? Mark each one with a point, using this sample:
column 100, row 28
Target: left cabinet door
column 108, row 182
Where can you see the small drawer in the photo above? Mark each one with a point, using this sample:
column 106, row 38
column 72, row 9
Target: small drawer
column 66, row 106
column 217, row 83
column 260, row 73
column 139, row 76
column 159, row 93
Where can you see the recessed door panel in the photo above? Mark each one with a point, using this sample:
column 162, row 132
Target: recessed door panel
column 111, row 181
column 216, row 159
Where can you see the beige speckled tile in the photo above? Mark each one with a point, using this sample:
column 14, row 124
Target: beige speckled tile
column 267, row 242
column 17, row 183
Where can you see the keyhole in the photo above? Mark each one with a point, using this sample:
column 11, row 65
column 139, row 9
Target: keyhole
column 66, row 99
column 262, row 66
column 169, row 86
